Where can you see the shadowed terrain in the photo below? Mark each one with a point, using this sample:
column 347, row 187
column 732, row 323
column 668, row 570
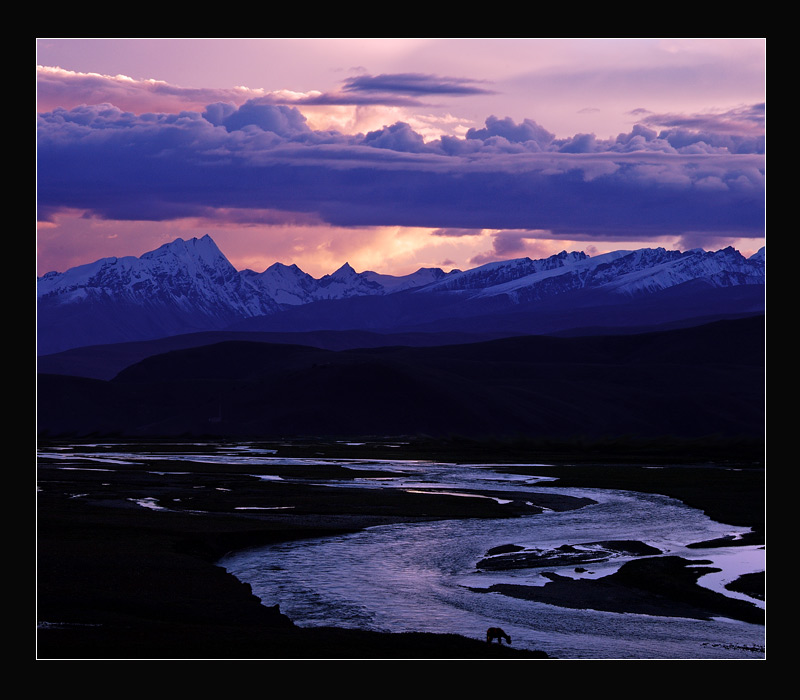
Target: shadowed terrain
column 699, row 381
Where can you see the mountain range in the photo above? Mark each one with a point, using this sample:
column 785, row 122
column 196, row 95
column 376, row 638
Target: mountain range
column 189, row 286
column 648, row 343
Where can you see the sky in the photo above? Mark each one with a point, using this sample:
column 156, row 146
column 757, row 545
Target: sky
column 395, row 154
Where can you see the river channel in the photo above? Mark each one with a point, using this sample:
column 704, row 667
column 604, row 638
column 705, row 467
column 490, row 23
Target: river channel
column 423, row 576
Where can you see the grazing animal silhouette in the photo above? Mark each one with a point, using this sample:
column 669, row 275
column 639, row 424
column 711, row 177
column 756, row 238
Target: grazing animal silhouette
column 498, row 634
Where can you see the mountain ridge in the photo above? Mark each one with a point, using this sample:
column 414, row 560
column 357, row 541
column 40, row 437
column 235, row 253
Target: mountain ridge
column 189, row 286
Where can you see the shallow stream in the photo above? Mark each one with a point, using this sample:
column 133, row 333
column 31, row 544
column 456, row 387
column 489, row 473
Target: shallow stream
column 418, row 577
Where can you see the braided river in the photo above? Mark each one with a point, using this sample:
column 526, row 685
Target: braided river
column 423, row 577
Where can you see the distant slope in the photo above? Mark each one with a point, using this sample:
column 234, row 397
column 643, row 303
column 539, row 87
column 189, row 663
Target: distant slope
column 706, row 380
column 106, row 361
column 578, row 312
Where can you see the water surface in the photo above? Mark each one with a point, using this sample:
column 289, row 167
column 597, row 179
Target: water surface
column 418, row 577
column 421, row 576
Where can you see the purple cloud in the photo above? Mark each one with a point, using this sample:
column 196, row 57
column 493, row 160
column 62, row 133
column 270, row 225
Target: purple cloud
column 396, row 90
column 455, row 232
column 351, row 100
column 414, row 84
column 397, row 137
column 399, row 89
column 527, row 131
column 749, row 118
column 736, row 131
column 286, row 122
column 118, row 165
column 59, row 87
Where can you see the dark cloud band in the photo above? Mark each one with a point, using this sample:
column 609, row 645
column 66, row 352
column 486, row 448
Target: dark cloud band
column 156, row 166
column 414, row 84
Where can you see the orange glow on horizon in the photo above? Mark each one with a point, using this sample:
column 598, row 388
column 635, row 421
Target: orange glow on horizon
column 72, row 239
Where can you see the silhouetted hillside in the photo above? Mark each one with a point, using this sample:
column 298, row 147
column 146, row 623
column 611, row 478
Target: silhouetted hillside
column 106, row 361
column 691, row 382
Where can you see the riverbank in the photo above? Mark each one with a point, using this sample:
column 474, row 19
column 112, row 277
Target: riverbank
column 127, row 561
column 118, row 578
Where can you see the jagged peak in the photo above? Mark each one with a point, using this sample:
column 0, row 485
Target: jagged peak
column 200, row 248
column 192, row 281
column 575, row 254
column 201, row 254
column 279, row 266
column 345, row 271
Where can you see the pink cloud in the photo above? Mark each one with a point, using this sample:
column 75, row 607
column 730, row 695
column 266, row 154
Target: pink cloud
column 57, row 87
column 296, row 180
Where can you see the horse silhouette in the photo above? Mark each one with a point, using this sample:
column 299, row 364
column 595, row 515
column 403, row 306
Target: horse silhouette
column 498, row 634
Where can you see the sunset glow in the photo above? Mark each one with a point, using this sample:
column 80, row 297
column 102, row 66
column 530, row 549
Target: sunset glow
column 401, row 349
column 397, row 154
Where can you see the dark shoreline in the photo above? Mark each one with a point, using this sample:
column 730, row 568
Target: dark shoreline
column 119, row 581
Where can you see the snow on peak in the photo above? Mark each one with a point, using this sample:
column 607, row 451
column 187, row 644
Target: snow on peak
column 195, row 274
column 191, row 254
column 345, row 272
column 420, row 278
column 495, row 275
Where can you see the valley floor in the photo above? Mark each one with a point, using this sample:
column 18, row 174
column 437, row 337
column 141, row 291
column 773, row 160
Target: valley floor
column 120, row 581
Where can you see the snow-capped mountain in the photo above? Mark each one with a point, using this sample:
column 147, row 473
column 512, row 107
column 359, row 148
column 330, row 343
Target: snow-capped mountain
column 183, row 287
column 493, row 277
column 188, row 286
column 622, row 272
column 195, row 275
column 289, row 285
column 192, row 276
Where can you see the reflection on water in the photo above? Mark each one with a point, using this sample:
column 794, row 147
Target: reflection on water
column 417, row 577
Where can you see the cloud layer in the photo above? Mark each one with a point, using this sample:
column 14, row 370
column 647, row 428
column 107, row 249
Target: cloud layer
column 696, row 173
